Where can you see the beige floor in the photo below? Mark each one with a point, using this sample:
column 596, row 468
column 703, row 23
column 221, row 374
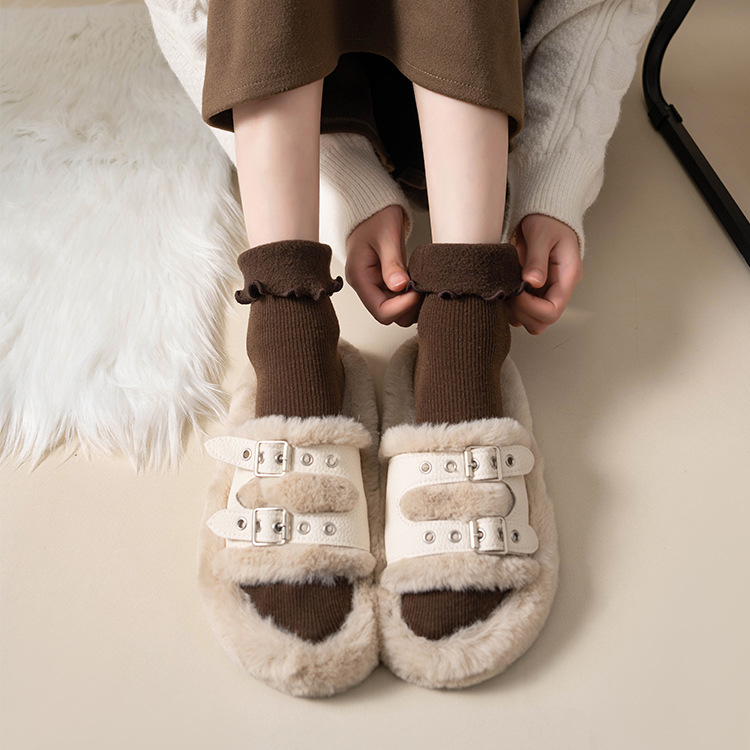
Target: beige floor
column 641, row 399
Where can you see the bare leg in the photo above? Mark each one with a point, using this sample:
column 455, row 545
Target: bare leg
column 466, row 162
column 277, row 144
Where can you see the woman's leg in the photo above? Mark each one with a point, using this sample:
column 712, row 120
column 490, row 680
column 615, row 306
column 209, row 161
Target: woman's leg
column 292, row 335
column 466, row 162
column 277, row 144
column 464, row 340
column 463, row 337
column 292, row 339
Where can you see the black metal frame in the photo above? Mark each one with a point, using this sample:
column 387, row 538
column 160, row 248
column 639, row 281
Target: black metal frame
column 666, row 119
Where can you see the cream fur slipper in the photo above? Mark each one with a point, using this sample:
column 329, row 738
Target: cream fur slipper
column 291, row 508
column 470, row 537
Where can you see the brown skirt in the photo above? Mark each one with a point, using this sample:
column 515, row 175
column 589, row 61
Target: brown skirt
column 368, row 54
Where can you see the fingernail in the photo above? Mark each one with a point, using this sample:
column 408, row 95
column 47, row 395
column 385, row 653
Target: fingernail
column 535, row 277
column 398, row 279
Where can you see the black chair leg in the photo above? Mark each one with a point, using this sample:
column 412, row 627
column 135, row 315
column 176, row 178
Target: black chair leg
column 666, row 119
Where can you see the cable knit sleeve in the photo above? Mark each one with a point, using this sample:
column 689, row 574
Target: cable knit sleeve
column 354, row 184
column 579, row 59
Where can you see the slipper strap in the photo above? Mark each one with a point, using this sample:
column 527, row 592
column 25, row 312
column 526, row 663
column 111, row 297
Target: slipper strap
column 495, row 535
column 269, row 460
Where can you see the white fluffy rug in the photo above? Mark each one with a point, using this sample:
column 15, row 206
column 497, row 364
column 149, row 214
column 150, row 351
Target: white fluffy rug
column 119, row 238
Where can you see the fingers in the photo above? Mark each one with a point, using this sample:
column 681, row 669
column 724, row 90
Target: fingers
column 376, row 268
column 384, row 234
column 520, row 314
column 551, row 264
column 511, row 315
column 537, row 311
column 363, row 273
column 409, row 319
column 535, row 260
column 388, row 308
column 392, row 254
column 402, row 310
column 561, row 291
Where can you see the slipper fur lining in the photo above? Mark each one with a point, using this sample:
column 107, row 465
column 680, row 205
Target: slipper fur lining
column 282, row 660
column 486, row 648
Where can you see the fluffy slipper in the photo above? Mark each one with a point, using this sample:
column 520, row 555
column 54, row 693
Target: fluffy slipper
column 284, row 554
column 470, row 537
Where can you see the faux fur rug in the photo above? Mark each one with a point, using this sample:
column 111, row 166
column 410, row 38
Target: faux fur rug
column 120, row 232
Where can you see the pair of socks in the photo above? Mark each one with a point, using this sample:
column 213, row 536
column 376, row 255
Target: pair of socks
column 292, row 343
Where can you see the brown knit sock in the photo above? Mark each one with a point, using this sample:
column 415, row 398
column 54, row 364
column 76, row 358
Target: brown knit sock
column 462, row 344
column 312, row 611
column 436, row 614
column 292, row 332
column 464, row 337
column 292, row 342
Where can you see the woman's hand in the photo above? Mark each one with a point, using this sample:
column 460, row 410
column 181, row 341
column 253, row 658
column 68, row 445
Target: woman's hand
column 376, row 267
column 551, row 260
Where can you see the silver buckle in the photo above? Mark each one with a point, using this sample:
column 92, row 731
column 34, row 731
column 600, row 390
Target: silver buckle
column 471, row 464
column 476, row 535
column 276, row 457
column 280, row 526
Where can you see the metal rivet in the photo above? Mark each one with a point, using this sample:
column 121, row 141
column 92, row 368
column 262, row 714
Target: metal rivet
column 450, row 466
column 425, row 467
column 279, row 458
column 510, row 460
column 429, row 537
column 330, row 529
column 241, row 522
column 246, row 454
column 480, row 534
column 278, row 527
column 303, row 527
column 515, row 536
column 474, row 464
column 306, row 459
column 331, row 460
column 455, row 536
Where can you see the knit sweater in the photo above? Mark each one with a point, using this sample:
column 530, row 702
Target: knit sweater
column 579, row 58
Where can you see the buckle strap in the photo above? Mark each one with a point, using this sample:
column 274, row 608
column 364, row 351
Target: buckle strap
column 496, row 535
column 476, row 463
column 267, row 460
column 491, row 535
column 274, row 458
column 274, row 526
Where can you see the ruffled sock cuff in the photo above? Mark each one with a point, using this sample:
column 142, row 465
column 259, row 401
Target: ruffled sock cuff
column 490, row 271
column 287, row 268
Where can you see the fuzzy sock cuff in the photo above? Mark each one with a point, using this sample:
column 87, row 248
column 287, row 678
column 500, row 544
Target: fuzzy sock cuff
column 287, row 268
column 491, row 271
